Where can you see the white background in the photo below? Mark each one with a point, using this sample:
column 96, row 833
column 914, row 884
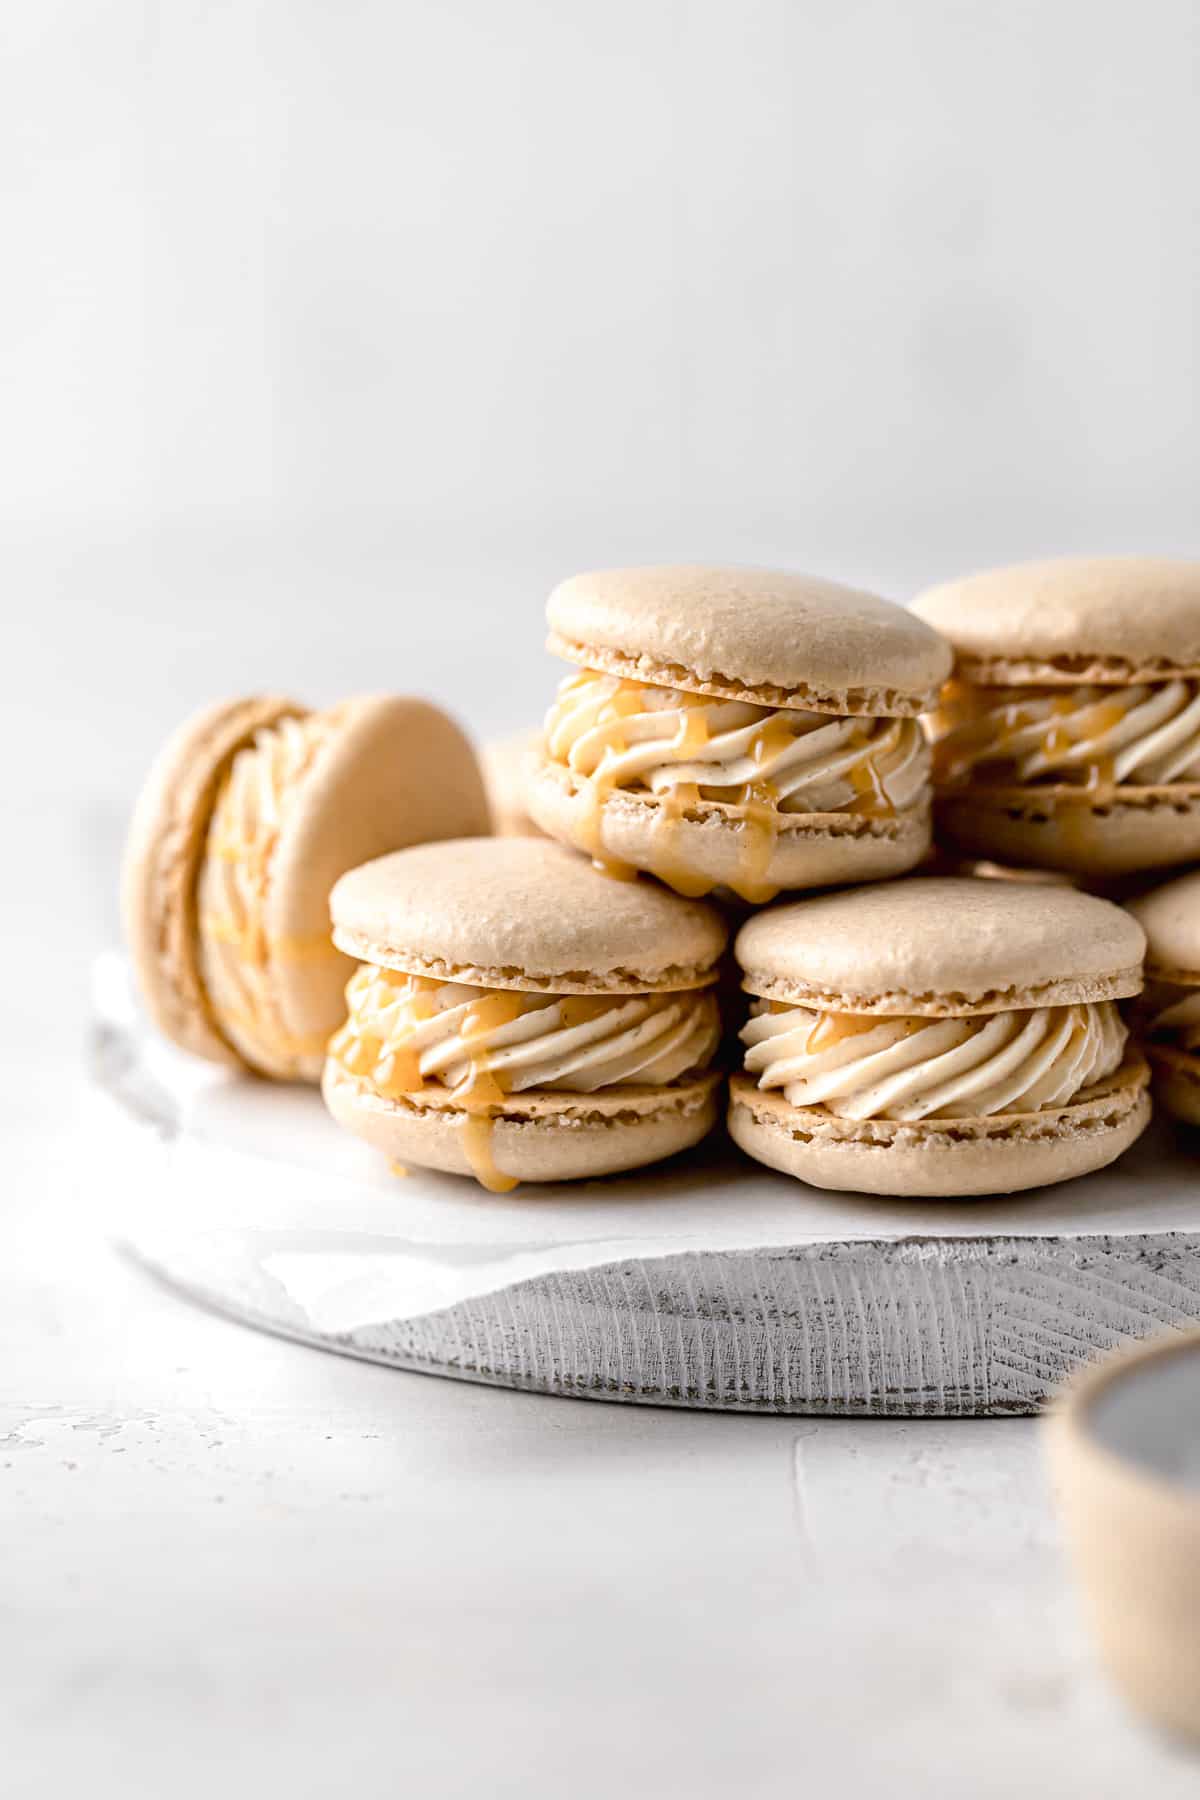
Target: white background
column 332, row 332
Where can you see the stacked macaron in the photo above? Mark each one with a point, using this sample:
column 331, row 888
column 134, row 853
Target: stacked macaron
column 939, row 1037
column 737, row 728
column 516, row 1017
column 1069, row 737
column 1068, row 742
column 541, row 1006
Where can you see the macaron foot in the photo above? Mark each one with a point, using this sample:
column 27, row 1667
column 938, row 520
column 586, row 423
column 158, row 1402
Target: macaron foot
column 946, row 1159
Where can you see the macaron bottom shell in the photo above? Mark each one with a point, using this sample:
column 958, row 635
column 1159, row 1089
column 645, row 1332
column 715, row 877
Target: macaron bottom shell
column 943, row 1158
column 535, row 1136
column 1133, row 829
column 756, row 855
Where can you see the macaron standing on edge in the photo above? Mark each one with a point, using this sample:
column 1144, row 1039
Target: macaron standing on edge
column 1070, row 735
column 1168, row 1019
column 247, row 818
column 939, row 1037
column 517, row 1017
column 737, row 728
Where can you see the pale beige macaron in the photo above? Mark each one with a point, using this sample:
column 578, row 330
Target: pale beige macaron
column 518, row 1018
column 1070, row 735
column 939, row 1037
column 507, row 765
column 248, row 817
column 738, row 728
column 1168, row 1017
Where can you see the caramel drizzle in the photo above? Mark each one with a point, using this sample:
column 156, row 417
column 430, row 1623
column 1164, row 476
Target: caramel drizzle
column 397, row 1074
column 755, row 812
column 599, row 785
column 974, row 742
column 483, row 1093
column 833, row 1028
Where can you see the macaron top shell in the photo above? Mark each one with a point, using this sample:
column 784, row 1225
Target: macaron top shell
column 942, row 948
column 1117, row 619
column 1170, row 918
column 760, row 635
column 163, row 851
column 523, row 913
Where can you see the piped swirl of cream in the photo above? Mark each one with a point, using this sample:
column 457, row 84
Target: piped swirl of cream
column 406, row 1033
column 237, row 957
column 907, row 1069
column 666, row 741
column 1145, row 735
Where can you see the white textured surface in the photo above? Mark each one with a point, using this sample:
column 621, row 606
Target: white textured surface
column 233, row 1564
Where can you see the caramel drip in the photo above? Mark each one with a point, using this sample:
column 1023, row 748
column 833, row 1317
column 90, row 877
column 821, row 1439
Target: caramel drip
column 759, row 801
column 833, row 1028
column 669, row 862
column 483, row 1091
column 359, row 1051
column 599, row 785
column 983, row 739
column 476, row 1131
column 756, row 843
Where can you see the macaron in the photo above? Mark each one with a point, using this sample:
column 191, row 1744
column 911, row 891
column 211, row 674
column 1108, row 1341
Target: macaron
column 1168, row 1017
column 506, row 764
column 737, row 728
column 248, row 817
column 517, row 1017
column 1070, row 735
column 939, row 1037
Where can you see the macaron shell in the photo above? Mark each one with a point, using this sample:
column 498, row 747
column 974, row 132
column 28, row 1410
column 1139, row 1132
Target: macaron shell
column 938, row 946
column 708, row 845
column 524, row 913
column 506, row 767
column 162, row 854
column 942, row 1159
column 767, row 636
column 398, row 772
column 1170, row 917
column 1176, row 1082
column 534, row 1137
column 1072, row 620
column 1145, row 828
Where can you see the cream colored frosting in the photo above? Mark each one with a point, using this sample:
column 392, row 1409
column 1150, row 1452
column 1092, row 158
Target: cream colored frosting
column 236, row 953
column 907, row 1069
column 405, row 1032
column 1145, row 735
column 632, row 735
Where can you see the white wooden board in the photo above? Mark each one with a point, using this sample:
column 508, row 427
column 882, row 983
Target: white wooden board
column 706, row 1283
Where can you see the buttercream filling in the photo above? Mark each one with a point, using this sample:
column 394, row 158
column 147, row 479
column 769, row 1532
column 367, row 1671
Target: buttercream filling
column 1172, row 1016
column 662, row 739
column 1144, row 735
column 238, row 957
column 408, row 1033
column 907, row 1069
column 758, row 762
